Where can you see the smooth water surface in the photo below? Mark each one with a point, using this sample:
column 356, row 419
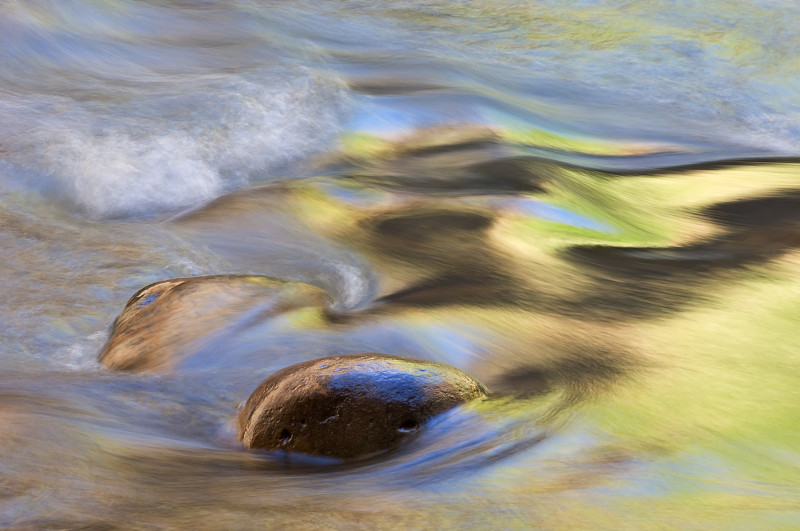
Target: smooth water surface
column 593, row 207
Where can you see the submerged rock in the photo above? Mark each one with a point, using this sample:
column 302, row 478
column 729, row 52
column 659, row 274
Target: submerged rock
column 168, row 321
column 352, row 405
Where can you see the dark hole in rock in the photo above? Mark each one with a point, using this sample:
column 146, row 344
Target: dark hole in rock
column 286, row 436
column 302, row 423
column 409, row 425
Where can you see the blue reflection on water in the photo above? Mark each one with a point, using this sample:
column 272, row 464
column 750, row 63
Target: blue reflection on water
column 557, row 214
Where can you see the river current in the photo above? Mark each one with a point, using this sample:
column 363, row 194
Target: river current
column 593, row 207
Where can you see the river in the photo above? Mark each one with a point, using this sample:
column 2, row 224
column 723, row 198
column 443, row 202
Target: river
column 593, row 207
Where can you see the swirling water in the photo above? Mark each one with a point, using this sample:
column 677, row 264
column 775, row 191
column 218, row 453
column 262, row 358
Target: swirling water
column 590, row 206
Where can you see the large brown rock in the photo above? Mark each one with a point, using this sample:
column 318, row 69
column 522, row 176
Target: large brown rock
column 168, row 321
column 351, row 406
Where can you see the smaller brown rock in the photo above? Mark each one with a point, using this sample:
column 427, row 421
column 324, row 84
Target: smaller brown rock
column 169, row 321
column 351, row 406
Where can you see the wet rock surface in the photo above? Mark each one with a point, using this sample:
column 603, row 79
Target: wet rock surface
column 351, row 405
column 168, row 321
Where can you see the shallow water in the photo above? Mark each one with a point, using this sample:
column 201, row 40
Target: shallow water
column 592, row 207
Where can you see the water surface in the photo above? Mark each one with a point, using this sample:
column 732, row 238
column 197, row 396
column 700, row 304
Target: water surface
column 592, row 207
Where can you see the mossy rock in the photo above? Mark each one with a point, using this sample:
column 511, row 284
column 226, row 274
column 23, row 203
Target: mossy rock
column 351, row 405
column 166, row 322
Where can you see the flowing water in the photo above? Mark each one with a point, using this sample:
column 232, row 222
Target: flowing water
column 592, row 206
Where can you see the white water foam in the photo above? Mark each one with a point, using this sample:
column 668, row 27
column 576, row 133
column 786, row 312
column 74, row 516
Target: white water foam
column 82, row 354
column 175, row 149
column 355, row 286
